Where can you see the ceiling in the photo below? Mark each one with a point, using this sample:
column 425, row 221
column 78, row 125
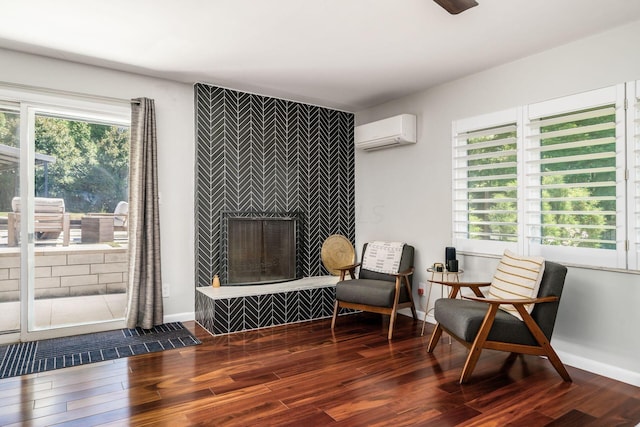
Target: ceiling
column 345, row 54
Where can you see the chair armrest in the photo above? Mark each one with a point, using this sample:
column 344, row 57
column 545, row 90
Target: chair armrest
column 455, row 287
column 461, row 284
column 521, row 301
column 408, row 272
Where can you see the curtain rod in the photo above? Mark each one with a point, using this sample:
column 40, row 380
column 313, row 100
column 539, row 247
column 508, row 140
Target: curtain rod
column 67, row 93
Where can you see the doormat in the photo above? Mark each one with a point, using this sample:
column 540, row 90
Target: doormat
column 47, row 355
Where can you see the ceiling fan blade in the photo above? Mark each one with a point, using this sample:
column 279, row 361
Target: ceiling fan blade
column 456, row 6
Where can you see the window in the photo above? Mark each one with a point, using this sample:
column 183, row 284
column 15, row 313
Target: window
column 485, row 182
column 552, row 183
column 90, row 161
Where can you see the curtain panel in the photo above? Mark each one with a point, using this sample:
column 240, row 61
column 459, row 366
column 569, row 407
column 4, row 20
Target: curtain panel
column 144, row 304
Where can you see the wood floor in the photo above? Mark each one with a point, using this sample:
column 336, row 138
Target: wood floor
column 303, row 375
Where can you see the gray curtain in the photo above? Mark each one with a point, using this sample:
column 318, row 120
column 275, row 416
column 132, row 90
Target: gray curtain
column 144, row 305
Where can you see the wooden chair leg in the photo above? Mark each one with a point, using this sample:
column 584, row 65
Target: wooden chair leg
column 394, row 309
column 512, row 357
column 336, row 308
column 509, row 361
column 435, row 338
column 544, row 343
column 478, row 343
column 413, row 306
column 392, row 320
column 557, row 363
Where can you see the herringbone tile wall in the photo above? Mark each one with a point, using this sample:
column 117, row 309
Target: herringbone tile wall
column 260, row 154
column 223, row 316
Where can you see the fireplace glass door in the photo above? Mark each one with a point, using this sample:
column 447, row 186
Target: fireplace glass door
column 261, row 250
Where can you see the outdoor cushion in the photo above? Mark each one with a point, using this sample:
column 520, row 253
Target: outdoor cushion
column 41, row 205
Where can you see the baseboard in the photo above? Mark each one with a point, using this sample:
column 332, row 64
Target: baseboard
column 600, row 368
column 407, row 312
column 179, row 317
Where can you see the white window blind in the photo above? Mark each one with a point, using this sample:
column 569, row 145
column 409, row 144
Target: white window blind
column 485, row 186
column 575, row 178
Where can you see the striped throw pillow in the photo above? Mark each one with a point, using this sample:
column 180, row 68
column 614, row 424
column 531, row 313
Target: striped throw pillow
column 516, row 277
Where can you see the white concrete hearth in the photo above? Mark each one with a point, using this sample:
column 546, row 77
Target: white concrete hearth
column 248, row 290
column 230, row 309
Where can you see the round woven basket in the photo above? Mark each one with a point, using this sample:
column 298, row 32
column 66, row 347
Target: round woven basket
column 337, row 251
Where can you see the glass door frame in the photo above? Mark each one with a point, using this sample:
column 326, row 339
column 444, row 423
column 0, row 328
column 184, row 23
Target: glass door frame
column 31, row 101
column 11, row 335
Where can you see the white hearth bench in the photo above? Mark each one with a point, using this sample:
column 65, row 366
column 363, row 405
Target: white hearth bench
column 229, row 309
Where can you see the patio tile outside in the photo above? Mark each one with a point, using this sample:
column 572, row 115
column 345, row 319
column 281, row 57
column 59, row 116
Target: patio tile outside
column 66, row 311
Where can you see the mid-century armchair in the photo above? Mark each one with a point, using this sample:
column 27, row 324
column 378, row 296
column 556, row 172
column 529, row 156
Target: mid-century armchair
column 479, row 322
column 375, row 291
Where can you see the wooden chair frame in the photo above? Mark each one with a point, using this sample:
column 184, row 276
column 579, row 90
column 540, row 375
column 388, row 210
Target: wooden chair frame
column 124, row 217
column 542, row 349
column 43, row 222
column 402, row 279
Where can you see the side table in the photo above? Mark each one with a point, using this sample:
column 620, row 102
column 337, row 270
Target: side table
column 445, row 276
column 97, row 229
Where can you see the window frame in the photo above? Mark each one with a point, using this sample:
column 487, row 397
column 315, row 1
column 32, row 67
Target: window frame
column 626, row 255
column 633, row 181
column 485, row 121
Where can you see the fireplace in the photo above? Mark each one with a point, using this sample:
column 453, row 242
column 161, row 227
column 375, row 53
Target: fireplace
column 260, row 248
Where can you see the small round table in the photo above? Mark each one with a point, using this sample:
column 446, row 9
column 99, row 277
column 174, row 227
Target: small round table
column 445, row 276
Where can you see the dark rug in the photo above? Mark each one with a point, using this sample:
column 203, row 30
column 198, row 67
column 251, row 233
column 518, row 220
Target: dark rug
column 50, row 354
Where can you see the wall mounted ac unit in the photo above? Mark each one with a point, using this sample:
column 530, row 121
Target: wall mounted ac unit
column 391, row 132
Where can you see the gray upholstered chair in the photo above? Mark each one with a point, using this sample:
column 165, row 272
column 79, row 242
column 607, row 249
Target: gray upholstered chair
column 477, row 323
column 376, row 292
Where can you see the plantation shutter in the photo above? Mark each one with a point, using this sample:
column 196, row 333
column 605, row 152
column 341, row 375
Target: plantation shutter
column 574, row 168
column 633, row 135
column 485, row 183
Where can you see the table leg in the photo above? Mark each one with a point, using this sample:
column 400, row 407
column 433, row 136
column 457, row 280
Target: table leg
column 426, row 307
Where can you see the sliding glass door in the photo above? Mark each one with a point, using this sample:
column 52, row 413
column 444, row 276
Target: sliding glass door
column 10, row 295
column 64, row 193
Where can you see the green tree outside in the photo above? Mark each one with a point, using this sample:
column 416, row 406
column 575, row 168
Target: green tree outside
column 92, row 162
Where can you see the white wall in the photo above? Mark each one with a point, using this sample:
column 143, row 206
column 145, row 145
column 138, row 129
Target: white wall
column 174, row 116
column 597, row 325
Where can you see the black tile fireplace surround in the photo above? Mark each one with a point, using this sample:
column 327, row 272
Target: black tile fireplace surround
column 261, row 154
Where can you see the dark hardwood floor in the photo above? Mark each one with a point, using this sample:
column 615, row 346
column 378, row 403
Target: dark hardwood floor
column 303, row 375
